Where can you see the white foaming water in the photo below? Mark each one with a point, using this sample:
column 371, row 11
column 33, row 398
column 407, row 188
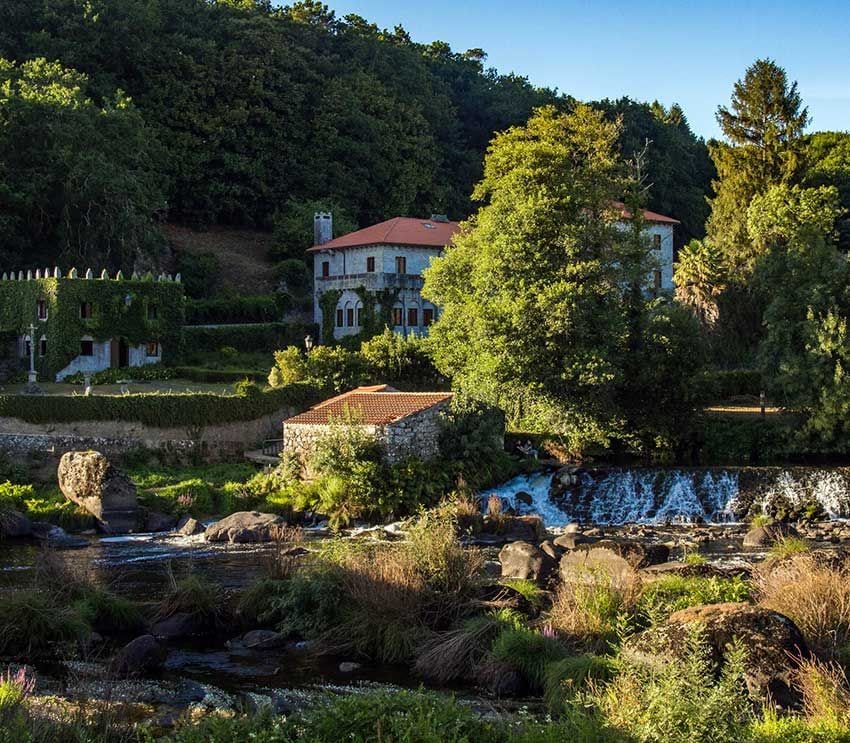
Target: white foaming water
column 652, row 496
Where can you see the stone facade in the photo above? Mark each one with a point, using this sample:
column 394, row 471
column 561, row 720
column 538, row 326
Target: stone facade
column 417, row 434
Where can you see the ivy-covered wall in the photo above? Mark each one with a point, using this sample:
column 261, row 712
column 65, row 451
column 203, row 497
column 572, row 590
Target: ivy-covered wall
column 119, row 309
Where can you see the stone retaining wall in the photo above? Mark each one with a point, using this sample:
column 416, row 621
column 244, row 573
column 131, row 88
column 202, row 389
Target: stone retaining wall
column 227, row 441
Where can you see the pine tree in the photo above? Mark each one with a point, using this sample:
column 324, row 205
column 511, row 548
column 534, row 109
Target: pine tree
column 763, row 130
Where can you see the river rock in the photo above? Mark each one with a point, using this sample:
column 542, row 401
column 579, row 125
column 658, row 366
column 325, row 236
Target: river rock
column 570, row 541
column 140, row 657
column 768, row 535
column 180, row 624
column 244, row 527
column 524, row 498
column 594, row 565
column 187, row 526
column 14, row 524
column 772, row 642
column 156, row 522
column 524, row 560
column 88, row 479
column 636, row 554
column 349, row 667
column 56, row 537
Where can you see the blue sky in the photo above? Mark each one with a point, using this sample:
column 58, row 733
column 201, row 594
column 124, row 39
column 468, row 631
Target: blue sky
column 673, row 51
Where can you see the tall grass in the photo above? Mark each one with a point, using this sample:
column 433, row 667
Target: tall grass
column 588, row 610
column 814, row 594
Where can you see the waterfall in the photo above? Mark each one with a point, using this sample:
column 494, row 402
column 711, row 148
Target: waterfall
column 655, row 496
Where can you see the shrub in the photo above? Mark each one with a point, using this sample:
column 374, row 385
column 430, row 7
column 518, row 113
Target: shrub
column 814, row 594
column 193, row 595
column 681, row 701
column 564, row 679
column 32, row 623
column 249, row 337
column 15, row 496
column 158, row 410
column 308, row 604
column 786, row 547
column 109, row 613
column 257, row 603
column 588, row 611
column 660, row 598
column 529, row 652
column 455, row 655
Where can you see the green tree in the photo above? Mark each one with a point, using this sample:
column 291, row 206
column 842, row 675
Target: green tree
column 539, row 309
column 78, row 180
column 700, row 277
column 828, row 164
column 763, row 129
column 293, row 226
column 782, row 212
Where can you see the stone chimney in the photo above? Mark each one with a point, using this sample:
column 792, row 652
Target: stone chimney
column 323, row 228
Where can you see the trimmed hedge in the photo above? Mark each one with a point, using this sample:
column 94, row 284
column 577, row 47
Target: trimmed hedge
column 249, row 337
column 263, row 308
column 157, row 410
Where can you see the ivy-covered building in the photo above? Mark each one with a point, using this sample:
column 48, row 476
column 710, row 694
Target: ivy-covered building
column 87, row 324
column 372, row 278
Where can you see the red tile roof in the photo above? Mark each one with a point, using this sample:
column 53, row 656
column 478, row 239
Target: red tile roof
column 647, row 215
column 398, row 231
column 376, row 406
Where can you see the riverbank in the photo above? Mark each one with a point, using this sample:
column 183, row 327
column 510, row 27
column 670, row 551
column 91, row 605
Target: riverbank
column 165, row 633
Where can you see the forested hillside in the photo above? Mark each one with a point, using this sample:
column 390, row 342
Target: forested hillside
column 240, row 113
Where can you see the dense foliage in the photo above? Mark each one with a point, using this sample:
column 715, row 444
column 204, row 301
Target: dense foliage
column 545, row 311
column 264, row 114
column 80, row 175
column 389, row 358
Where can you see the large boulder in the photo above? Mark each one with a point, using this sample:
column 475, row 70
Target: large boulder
column 618, row 559
column 524, row 560
column 597, row 565
column 140, row 657
column 88, row 479
column 244, row 527
column 768, row 535
column 188, row 526
column 771, row 640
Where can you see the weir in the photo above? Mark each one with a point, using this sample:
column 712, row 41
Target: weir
column 655, row 495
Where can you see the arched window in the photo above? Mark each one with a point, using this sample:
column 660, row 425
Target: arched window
column 359, row 314
column 398, row 316
column 349, row 314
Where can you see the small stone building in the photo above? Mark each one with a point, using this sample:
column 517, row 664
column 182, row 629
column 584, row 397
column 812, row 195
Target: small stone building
column 406, row 423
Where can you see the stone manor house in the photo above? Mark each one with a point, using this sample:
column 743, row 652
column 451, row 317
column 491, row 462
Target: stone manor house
column 392, row 255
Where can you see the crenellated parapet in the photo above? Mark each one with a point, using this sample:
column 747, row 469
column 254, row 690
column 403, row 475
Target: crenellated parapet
column 88, row 275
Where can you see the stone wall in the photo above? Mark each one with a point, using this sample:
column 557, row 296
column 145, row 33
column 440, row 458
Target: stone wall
column 214, row 443
column 301, row 438
column 417, row 435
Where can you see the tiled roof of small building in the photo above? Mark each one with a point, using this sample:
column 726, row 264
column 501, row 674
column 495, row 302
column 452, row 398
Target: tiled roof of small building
column 426, row 233
column 375, row 406
column 647, row 215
